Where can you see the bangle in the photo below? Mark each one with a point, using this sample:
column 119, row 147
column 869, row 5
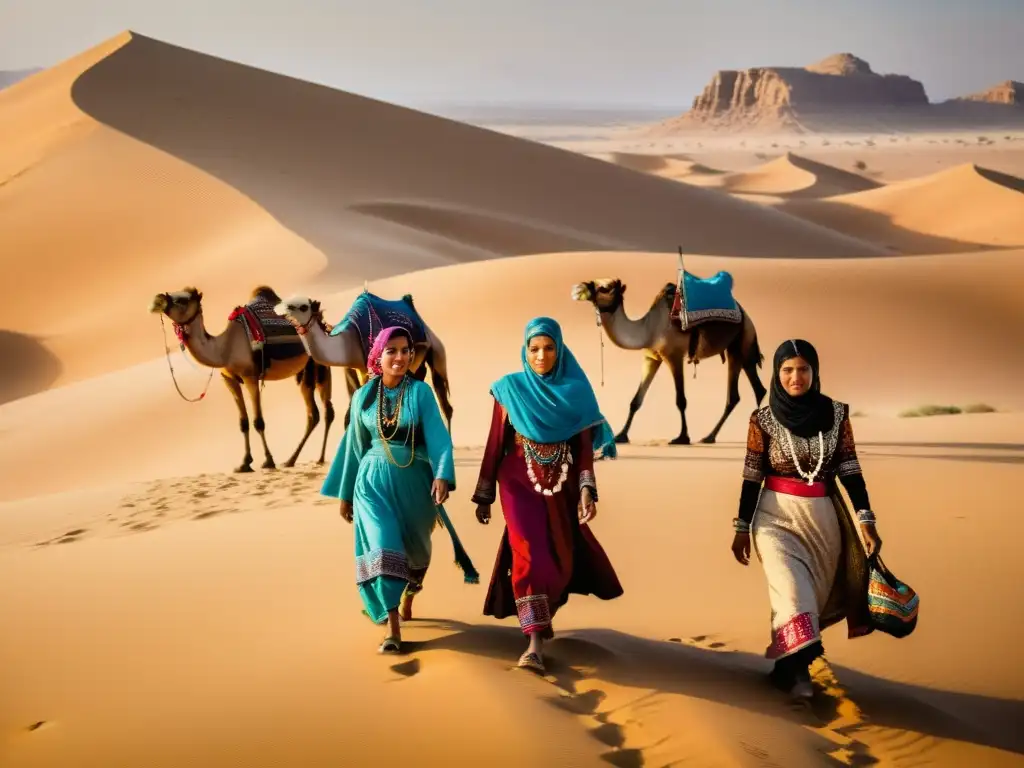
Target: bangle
column 866, row 517
column 740, row 525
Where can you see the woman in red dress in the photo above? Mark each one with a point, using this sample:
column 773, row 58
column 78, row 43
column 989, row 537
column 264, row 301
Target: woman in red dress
column 545, row 430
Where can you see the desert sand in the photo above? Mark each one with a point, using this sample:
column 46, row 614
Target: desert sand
column 162, row 611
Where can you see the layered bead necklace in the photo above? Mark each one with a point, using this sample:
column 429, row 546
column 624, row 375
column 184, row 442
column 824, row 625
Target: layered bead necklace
column 547, row 466
column 389, row 416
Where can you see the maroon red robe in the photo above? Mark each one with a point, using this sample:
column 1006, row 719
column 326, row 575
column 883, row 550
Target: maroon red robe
column 545, row 553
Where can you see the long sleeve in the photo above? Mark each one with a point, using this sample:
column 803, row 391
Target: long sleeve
column 439, row 442
column 487, row 484
column 341, row 478
column 585, row 462
column 848, row 468
column 754, row 463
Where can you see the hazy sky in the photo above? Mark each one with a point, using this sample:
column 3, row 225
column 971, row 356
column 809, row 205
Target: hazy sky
column 658, row 53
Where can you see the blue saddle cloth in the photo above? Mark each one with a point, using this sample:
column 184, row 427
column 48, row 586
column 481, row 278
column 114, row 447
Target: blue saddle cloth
column 370, row 314
column 700, row 299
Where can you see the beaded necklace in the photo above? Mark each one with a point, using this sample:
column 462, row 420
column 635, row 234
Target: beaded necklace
column 809, row 477
column 392, row 420
column 548, row 461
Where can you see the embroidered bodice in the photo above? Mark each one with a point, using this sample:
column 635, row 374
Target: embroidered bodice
column 547, row 466
column 771, row 449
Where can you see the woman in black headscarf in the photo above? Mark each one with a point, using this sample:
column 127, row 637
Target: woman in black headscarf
column 803, row 533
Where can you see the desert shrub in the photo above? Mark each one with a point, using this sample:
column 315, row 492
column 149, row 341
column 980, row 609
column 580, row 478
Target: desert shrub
column 979, row 408
column 860, row 165
column 930, row 410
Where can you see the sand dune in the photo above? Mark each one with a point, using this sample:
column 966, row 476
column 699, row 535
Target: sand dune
column 211, row 616
column 791, row 176
column 667, row 166
column 915, row 304
column 959, row 209
column 284, row 652
column 213, row 186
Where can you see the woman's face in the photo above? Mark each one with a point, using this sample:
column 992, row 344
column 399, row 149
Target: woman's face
column 394, row 360
column 796, row 376
column 542, row 355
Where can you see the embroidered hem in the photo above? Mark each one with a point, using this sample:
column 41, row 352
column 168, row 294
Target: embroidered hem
column 381, row 562
column 797, row 633
column 534, row 613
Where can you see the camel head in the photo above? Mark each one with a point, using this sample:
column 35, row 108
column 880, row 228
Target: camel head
column 605, row 294
column 300, row 311
column 182, row 307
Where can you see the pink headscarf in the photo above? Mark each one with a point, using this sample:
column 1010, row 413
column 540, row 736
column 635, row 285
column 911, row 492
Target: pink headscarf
column 379, row 343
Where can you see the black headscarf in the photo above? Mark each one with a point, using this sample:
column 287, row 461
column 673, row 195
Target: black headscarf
column 806, row 414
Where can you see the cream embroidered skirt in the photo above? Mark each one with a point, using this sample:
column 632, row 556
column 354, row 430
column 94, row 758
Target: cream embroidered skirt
column 800, row 544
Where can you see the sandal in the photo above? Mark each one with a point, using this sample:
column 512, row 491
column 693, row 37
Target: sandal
column 391, row 645
column 532, row 661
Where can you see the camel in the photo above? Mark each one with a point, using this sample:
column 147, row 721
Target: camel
column 346, row 349
column 663, row 341
column 242, row 366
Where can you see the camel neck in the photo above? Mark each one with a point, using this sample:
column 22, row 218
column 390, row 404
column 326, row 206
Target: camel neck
column 624, row 332
column 205, row 349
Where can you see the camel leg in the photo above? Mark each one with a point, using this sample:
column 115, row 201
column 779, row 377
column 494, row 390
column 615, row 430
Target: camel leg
column 307, row 386
column 252, row 385
column 234, row 385
column 351, row 385
column 650, row 368
column 733, row 397
column 438, row 362
column 750, row 368
column 678, row 368
column 324, row 386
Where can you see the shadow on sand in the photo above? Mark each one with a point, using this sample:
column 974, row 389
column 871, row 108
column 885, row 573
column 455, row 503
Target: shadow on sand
column 26, row 366
column 739, row 680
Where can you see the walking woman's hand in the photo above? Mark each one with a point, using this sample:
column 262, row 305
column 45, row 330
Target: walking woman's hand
column 588, row 509
column 872, row 541
column 741, row 548
column 346, row 511
column 439, row 491
column 483, row 513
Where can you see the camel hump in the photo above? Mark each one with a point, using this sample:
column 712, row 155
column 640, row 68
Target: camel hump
column 408, row 300
column 265, row 293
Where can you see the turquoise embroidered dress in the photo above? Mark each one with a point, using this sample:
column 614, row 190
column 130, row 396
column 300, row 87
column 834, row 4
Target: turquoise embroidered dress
column 393, row 511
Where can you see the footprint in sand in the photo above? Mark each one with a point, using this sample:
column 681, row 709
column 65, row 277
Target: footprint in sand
column 701, row 641
column 407, row 668
column 67, row 538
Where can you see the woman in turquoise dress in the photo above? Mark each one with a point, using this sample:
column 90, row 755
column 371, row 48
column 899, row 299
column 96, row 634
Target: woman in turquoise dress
column 393, row 471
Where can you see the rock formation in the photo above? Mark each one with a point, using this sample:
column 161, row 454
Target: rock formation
column 1008, row 92
column 779, row 97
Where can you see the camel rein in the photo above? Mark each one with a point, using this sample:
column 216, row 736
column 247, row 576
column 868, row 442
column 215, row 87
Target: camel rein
column 170, row 366
column 600, row 335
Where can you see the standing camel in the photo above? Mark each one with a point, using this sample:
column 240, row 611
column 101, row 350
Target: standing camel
column 662, row 341
column 242, row 365
column 348, row 349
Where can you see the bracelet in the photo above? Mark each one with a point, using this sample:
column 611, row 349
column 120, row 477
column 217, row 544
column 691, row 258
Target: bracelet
column 866, row 517
column 740, row 525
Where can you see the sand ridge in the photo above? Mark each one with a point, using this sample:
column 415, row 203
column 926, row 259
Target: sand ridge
column 170, row 612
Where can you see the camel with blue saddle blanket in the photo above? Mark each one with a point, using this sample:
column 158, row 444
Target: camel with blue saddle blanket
column 257, row 346
column 715, row 326
column 347, row 344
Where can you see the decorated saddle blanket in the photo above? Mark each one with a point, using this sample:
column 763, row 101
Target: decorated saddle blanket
column 371, row 314
column 698, row 300
column 262, row 325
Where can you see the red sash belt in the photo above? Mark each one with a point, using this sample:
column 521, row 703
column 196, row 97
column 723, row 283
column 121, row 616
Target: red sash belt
column 793, row 487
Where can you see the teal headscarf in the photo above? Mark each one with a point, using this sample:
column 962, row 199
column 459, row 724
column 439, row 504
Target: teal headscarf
column 557, row 405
